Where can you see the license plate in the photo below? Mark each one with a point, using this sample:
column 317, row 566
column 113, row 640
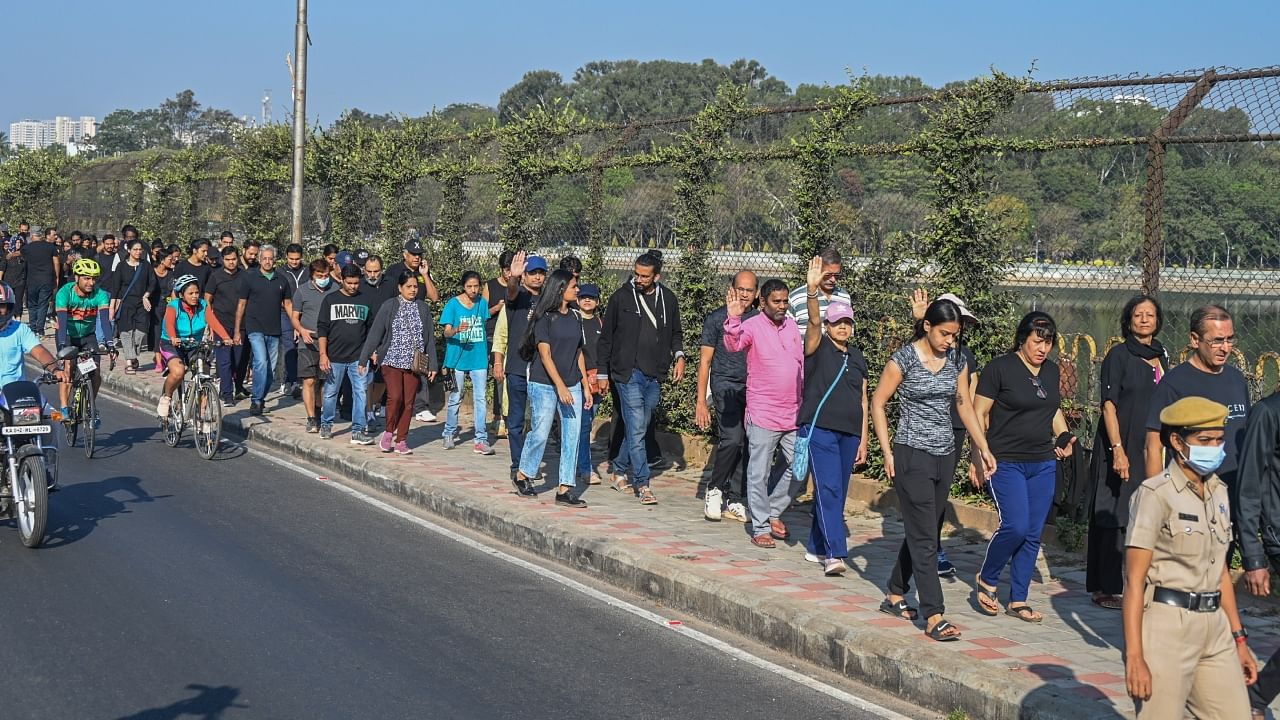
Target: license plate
column 87, row 366
column 26, row 429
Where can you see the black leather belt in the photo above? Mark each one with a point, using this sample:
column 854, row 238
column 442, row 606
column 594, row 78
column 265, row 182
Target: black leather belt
column 1195, row 602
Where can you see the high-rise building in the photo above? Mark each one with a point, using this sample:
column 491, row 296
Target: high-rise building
column 36, row 134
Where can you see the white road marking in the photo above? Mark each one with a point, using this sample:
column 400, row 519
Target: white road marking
column 668, row 623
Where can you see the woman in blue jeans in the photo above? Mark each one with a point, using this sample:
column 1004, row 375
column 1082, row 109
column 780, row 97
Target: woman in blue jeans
column 552, row 345
column 1018, row 402
column 466, row 354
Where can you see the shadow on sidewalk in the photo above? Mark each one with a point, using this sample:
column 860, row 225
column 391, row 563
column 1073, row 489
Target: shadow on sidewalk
column 209, row 703
column 1061, row 685
column 76, row 510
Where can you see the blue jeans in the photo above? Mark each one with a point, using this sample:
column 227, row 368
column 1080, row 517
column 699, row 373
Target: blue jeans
column 545, row 404
column 584, row 437
column 517, row 401
column 478, row 403
column 38, row 297
column 333, row 383
column 831, row 456
column 638, row 397
column 266, row 353
column 1023, row 492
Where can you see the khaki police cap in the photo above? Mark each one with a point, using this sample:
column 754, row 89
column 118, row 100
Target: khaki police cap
column 1194, row 412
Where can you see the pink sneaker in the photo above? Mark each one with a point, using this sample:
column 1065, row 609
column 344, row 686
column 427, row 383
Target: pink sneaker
column 385, row 443
column 402, row 448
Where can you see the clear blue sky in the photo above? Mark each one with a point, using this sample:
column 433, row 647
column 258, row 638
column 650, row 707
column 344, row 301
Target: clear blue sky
column 406, row 56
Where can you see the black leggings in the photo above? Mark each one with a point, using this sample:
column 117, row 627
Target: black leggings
column 923, row 484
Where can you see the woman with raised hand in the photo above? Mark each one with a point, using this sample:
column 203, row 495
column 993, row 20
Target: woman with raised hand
column 1019, row 404
column 552, row 345
column 929, row 376
column 1129, row 375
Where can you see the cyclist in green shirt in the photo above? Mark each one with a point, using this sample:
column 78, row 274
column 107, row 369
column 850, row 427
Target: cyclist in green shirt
column 84, row 321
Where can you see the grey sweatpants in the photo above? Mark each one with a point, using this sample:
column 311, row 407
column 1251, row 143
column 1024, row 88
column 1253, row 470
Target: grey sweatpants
column 766, row 503
column 132, row 343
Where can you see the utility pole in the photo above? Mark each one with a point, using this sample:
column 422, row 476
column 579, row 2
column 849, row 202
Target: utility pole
column 299, row 117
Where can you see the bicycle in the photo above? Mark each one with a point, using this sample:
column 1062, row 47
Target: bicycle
column 198, row 402
column 84, row 405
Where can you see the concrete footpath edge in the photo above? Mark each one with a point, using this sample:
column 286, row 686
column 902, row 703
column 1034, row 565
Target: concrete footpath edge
column 910, row 671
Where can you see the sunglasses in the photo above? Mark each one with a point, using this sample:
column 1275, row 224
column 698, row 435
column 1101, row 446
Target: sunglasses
column 1039, row 388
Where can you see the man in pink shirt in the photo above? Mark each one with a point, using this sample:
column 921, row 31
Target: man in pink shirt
column 775, row 371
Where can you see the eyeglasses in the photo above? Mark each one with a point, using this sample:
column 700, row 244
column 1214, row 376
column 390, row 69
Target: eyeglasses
column 1222, row 342
column 1039, row 388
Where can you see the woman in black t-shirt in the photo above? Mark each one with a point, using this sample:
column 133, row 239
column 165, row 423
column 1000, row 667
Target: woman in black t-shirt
column 552, row 345
column 833, row 416
column 161, row 292
column 1019, row 403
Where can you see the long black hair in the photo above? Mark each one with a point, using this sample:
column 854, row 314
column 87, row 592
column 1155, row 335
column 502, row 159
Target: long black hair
column 1039, row 323
column 548, row 302
column 941, row 311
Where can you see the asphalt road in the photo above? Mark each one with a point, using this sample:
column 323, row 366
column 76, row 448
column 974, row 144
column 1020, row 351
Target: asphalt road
column 172, row 587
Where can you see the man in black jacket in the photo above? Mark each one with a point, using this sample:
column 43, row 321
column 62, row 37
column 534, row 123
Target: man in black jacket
column 1258, row 523
column 641, row 337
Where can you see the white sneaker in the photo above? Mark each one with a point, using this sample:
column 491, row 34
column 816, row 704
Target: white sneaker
column 714, row 501
column 736, row 511
column 425, row 416
column 819, row 559
column 162, row 407
column 381, row 411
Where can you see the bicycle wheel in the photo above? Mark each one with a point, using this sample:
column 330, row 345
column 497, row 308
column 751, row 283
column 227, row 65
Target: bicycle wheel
column 173, row 423
column 87, row 409
column 207, row 425
column 72, row 421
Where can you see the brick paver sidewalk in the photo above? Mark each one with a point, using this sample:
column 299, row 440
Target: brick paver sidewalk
column 1076, row 649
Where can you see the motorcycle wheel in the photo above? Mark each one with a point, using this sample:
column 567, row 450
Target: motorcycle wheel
column 31, row 500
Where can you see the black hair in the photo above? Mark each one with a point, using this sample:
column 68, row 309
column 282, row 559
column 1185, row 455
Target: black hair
column 571, row 263
column 938, row 312
column 169, row 250
column 548, row 302
column 351, row 270
column 132, row 243
column 1038, row 323
column 107, row 237
column 293, row 248
column 329, row 249
column 504, row 260
column 199, row 243
column 1126, row 315
column 471, row 274
column 227, row 234
column 406, row 276
column 74, row 234
column 371, row 258
column 252, row 243
column 129, row 229
column 771, row 286
column 650, row 259
column 319, row 265
column 1205, row 314
column 831, row 256
column 229, row 250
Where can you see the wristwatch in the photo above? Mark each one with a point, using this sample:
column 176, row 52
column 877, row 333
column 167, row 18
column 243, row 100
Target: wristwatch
column 1240, row 635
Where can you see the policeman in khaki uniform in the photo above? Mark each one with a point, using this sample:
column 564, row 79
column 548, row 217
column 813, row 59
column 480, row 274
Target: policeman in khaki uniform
column 1185, row 649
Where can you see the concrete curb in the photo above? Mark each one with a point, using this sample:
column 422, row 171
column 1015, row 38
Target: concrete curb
column 911, row 671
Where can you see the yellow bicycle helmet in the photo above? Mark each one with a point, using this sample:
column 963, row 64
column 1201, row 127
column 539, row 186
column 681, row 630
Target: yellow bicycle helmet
column 84, row 267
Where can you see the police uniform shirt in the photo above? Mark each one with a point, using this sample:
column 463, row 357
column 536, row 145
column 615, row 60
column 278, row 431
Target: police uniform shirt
column 1186, row 535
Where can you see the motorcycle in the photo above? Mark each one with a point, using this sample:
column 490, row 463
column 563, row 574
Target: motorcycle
column 27, row 452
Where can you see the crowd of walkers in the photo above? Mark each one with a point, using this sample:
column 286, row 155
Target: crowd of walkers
column 1185, row 469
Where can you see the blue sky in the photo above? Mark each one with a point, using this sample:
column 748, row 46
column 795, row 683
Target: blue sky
column 409, row 55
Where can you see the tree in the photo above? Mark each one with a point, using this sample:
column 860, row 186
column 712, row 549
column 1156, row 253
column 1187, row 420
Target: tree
column 537, row 89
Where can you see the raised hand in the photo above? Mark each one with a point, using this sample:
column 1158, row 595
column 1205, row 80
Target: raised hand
column 919, row 303
column 518, row 263
column 814, row 276
column 735, row 305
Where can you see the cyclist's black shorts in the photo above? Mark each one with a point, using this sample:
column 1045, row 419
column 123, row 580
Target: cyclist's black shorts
column 88, row 342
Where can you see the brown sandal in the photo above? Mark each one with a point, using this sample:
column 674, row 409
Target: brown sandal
column 764, row 541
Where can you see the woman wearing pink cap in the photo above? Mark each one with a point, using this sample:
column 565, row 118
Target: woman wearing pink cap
column 833, row 416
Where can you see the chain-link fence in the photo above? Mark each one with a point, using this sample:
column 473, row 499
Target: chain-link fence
column 1099, row 188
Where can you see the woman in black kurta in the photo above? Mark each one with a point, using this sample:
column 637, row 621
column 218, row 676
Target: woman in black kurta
column 132, row 285
column 1130, row 372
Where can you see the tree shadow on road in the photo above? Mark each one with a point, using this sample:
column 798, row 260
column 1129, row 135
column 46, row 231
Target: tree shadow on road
column 118, row 442
column 1064, row 695
column 209, row 703
column 78, row 508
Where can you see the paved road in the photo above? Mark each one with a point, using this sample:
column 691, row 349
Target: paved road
column 177, row 588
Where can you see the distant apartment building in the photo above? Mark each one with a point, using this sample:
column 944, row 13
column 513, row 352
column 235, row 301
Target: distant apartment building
column 36, row 134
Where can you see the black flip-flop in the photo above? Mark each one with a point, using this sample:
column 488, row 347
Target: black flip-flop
column 897, row 609
column 981, row 592
column 937, row 632
column 1023, row 613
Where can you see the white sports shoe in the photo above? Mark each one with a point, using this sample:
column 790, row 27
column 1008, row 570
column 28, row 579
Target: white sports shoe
column 810, row 557
column 425, row 416
column 712, row 509
column 736, row 511
column 162, row 407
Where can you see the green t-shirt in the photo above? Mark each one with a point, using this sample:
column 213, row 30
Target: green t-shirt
column 82, row 312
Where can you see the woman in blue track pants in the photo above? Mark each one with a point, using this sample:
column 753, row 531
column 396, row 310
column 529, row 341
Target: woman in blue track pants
column 1019, row 403
column 833, row 415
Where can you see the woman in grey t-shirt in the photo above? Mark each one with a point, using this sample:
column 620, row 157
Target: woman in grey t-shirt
column 927, row 374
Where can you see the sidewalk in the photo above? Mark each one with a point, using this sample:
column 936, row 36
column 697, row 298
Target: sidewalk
column 1068, row 667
